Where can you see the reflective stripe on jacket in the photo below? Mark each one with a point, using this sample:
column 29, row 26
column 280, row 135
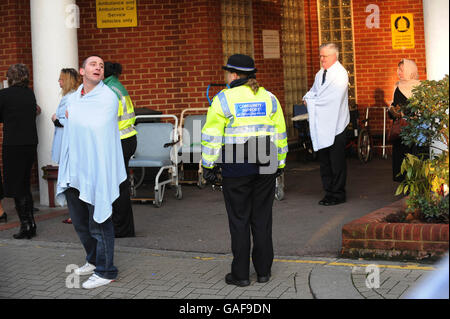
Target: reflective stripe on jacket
column 125, row 116
column 237, row 114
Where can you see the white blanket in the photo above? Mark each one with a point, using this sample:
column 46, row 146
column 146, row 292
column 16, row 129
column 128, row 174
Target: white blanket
column 328, row 106
column 91, row 152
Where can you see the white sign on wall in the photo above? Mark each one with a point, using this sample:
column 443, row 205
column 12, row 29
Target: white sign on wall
column 271, row 44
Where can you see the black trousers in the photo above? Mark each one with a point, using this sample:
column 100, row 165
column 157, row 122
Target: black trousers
column 333, row 168
column 122, row 210
column 249, row 201
column 399, row 151
column 18, row 161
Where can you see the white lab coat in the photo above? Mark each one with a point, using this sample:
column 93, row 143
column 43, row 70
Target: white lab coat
column 328, row 106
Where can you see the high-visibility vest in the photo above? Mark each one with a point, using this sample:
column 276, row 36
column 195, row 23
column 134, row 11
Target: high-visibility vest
column 238, row 114
column 125, row 116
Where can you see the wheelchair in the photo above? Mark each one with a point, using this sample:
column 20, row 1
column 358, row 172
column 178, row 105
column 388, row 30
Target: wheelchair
column 301, row 123
column 358, row 136
column 190, row 150
column 156, row 148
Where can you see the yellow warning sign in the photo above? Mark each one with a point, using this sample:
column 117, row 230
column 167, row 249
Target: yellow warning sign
column 402, row 26
column 116, row 13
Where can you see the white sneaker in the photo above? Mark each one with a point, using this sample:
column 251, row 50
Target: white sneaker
column 95, row 281
column 87, row 269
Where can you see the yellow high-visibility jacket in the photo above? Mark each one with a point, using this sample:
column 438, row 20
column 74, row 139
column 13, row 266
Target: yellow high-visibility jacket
column 237, row 114
column 126, row 116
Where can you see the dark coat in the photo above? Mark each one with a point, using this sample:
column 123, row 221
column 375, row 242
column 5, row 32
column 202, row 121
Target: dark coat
column 18, row 115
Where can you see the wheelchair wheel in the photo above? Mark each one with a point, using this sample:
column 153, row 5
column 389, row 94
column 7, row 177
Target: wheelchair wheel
column 364, row 146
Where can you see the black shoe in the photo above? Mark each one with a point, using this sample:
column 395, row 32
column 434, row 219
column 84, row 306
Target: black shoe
column 240, row 283
column 30, row 216
column 4, row 217
column 334, row 201
column 32, row 225
column 263, row 279
column 24, row 231
column 324, row 200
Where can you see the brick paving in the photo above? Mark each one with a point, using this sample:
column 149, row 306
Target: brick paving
column 44, row 270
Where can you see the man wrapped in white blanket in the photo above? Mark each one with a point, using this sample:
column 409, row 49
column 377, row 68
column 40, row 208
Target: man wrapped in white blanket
column 327, row 103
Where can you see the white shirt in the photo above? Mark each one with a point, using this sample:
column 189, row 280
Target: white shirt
column 328, row 106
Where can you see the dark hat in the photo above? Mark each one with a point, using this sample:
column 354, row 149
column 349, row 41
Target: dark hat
column 240, row 63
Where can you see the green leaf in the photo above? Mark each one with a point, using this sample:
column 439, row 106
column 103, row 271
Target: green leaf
column 399, row 190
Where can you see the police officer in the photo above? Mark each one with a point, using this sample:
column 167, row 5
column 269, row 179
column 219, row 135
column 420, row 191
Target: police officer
column 244, row 113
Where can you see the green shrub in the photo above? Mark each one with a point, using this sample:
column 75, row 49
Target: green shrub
column 426, row 180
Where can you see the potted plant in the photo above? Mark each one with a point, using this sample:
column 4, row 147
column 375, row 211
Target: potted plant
column 426, row 179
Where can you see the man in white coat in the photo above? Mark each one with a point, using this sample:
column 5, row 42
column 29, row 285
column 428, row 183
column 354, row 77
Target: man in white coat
column 327, row 103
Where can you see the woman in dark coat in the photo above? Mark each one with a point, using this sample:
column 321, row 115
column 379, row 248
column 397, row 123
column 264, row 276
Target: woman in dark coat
column 18, row 114
column 408, row 75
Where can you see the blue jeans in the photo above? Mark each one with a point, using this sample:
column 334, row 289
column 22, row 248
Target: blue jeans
column 97, row 239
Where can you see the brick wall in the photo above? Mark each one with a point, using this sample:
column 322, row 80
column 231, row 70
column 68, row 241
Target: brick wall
column 15, row 35
column 169, row 59
column 312, row 39
column 176, row 50
column 375, row 60
column 372, row 237
column 15, row 46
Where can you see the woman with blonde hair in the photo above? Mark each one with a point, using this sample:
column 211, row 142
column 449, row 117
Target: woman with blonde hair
column 408, row 75
column 69, row 81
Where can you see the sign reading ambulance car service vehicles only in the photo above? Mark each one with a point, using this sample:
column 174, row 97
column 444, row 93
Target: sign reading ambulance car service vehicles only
column 116, row 13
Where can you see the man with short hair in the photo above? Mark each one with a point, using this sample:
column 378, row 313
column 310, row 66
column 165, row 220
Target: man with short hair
column 91, row 169
column 327, row 103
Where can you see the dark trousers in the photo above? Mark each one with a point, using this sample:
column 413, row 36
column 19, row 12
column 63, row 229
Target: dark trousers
column 18, row 161
column 249, row 200
column 97, row 239
column 399, row 151
column 122, row 209
column 333, row 168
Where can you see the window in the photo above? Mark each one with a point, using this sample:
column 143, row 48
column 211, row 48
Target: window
column 294, row 57
column 336, row 25
column 237, row 27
